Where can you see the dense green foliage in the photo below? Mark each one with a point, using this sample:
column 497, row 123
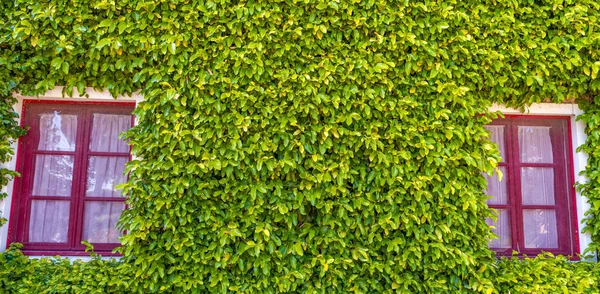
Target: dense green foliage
column 20, row 274
column 309, row 146
column 546, row 274
column 9, row 132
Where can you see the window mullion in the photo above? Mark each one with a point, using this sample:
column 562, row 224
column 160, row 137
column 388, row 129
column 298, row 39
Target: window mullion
column 560, row 186
column 80, row 180
column 517, row 209
column 29, row 141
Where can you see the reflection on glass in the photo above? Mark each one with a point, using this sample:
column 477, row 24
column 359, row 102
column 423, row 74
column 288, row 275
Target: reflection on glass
column 57, row 131
column 49, row 221
column 539, row 226
column 502, row 229
column 53, row 175
column 537, row 185
column 105, row 132
column 100, row 220
column 497, row 188
column 497, row 136
column 104, row 173
column 535, row 145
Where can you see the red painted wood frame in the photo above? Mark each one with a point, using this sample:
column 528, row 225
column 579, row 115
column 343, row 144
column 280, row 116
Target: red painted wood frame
column 22, row 196
column 564, row 191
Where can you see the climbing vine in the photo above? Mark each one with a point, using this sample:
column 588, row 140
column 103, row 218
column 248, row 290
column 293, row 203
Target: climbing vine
column 307, row 146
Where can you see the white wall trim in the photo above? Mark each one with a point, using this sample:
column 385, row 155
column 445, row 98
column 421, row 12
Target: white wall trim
column 541, row 109
column 579, row 158
column 54, row 94
column 94, row 95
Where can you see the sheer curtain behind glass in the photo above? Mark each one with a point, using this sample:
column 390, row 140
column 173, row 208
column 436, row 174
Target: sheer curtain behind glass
column 537, row 187
column 53, row 177
column 104, row 173
column 499, row 192
column 105, row 132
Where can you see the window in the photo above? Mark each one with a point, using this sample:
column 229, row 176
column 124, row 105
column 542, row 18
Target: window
column 70, row 160
column 534, row 199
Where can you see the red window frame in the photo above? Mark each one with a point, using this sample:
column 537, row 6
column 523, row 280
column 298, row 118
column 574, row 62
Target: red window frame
column 22, row 196
column 565, row 201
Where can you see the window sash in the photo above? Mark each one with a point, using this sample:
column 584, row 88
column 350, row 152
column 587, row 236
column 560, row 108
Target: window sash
column 28, row 150
column 563, row 183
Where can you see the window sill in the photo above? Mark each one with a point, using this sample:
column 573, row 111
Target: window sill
column 43, row 253
column 533, row 255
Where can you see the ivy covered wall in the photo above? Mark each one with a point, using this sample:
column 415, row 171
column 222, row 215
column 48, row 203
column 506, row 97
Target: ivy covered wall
column 308, row 146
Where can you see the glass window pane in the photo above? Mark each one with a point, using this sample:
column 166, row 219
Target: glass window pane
column 53, row 175
column 105, row 132
column 502, row 229
column 497, row 136
column 104, row 173
column 539, row 226
column 57, row 131
column 49, row 221
column 100, row 220
column 537, row 185
column 497, row 188
column 535, row 145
